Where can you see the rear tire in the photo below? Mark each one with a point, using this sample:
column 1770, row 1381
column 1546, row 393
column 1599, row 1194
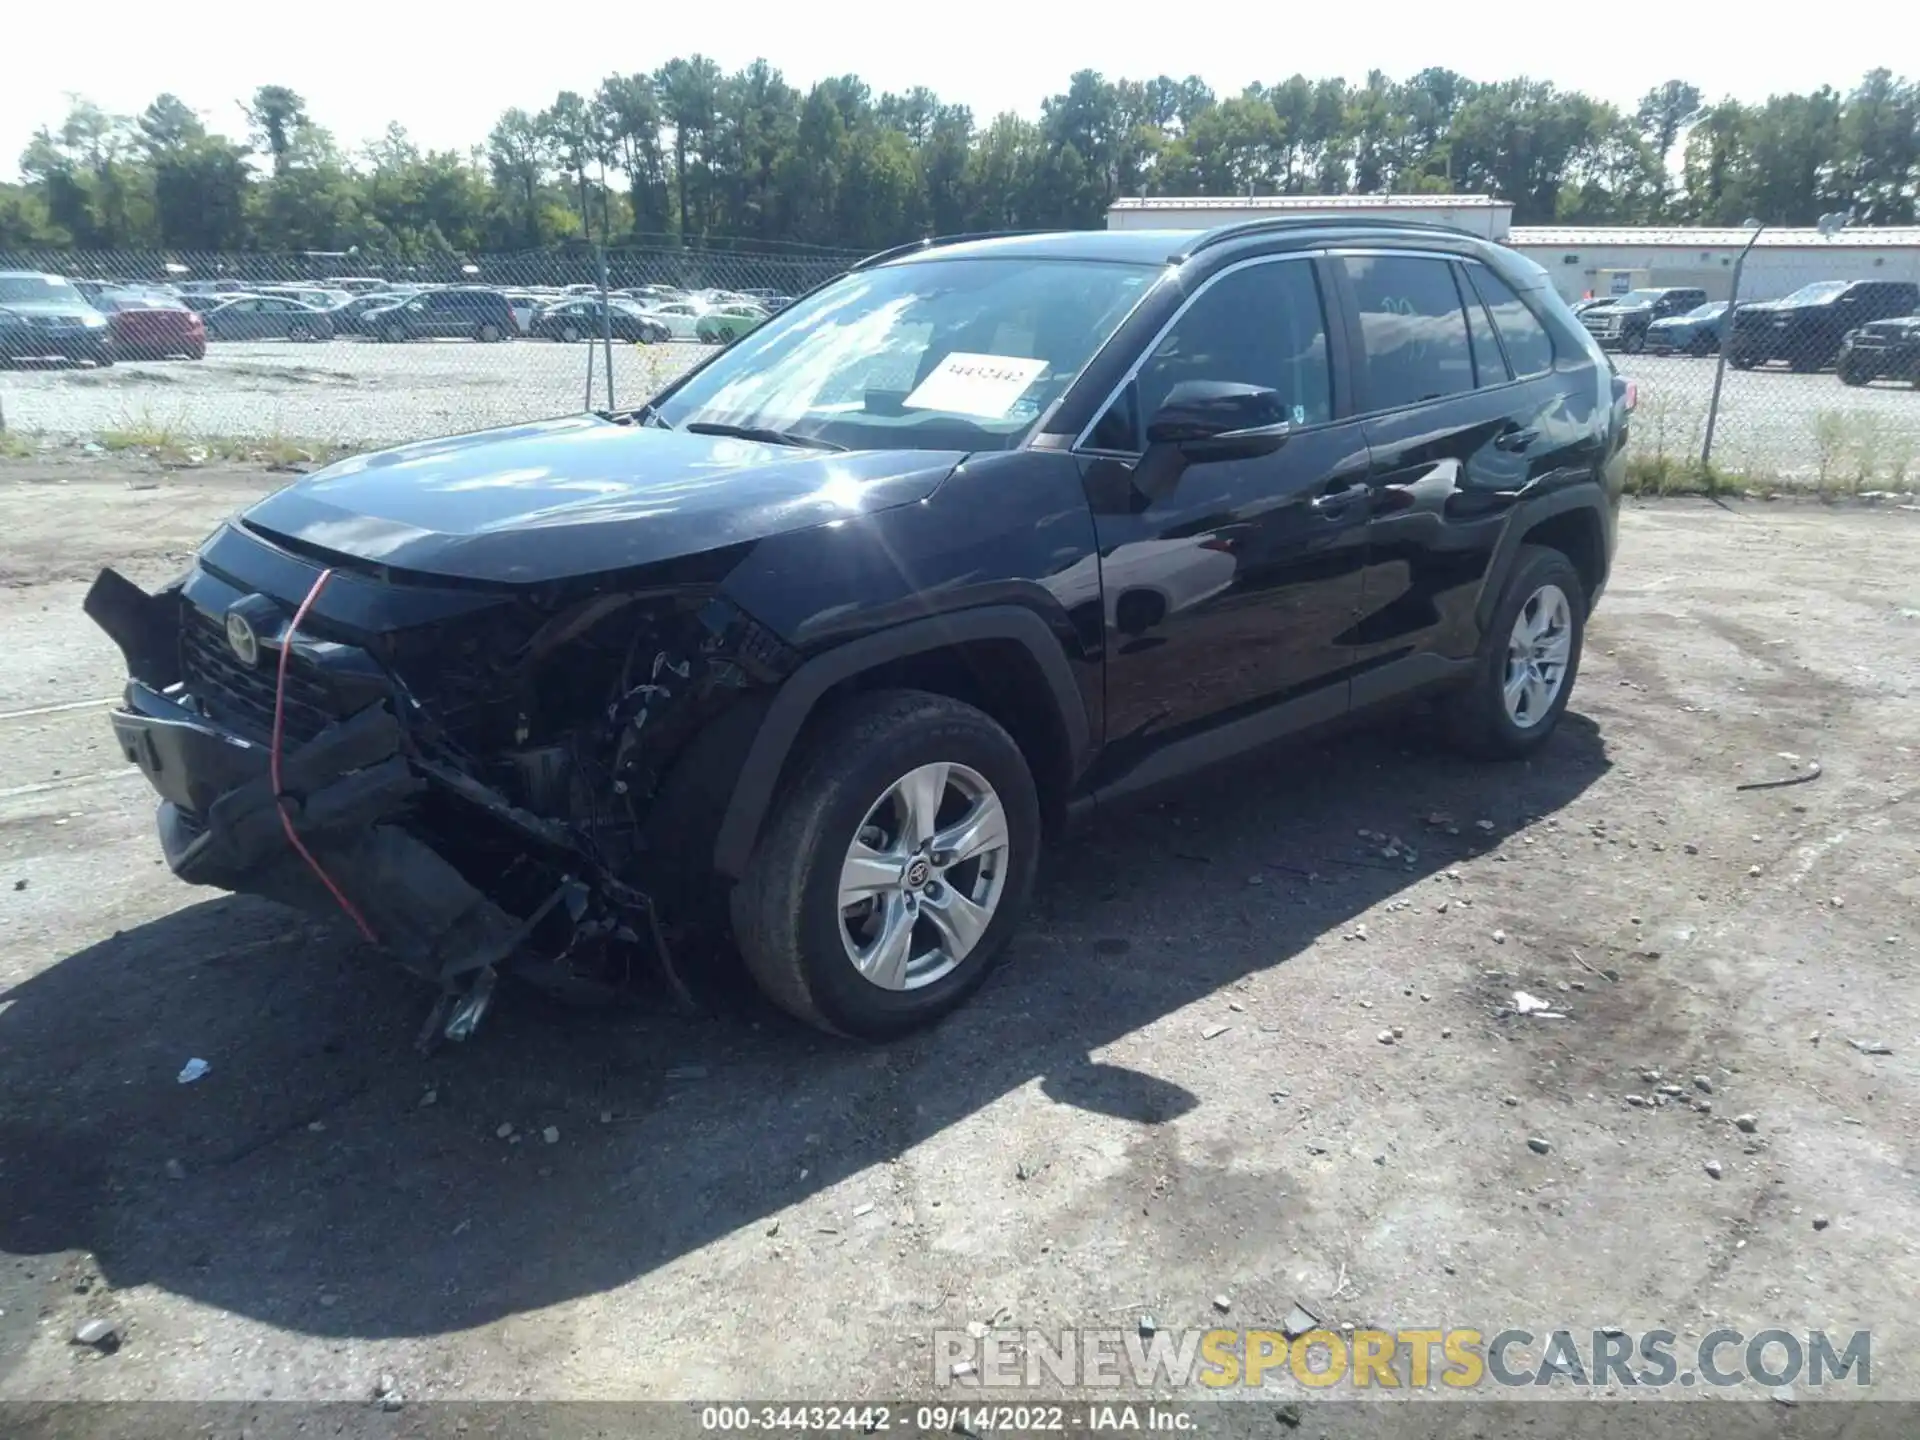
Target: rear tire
column 299, row 330
column 393, row 335
column 1482, row 717
column 852, row 784
column 570, row 334
column 488, row 333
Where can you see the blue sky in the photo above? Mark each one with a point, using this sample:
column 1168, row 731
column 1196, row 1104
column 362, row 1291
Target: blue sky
column 462, row 65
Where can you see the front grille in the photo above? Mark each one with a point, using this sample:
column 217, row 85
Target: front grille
column 243, row 697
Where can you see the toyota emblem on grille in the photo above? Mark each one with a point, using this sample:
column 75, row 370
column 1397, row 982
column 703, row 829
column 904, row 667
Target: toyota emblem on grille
column 246, row 645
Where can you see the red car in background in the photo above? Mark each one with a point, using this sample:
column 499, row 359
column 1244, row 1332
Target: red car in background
column 152, row 326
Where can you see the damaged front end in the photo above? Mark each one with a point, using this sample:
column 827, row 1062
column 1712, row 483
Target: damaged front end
column 473, row 775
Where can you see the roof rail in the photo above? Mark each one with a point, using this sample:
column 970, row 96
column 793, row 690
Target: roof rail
column 932, row 242
column 1241, row 229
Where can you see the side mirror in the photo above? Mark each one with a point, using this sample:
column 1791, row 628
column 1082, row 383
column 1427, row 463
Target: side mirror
column 1219, row 420
column 1204, row 421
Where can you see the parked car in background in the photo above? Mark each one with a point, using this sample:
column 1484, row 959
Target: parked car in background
column 267, row 317
column 681, row 317
column 1881, row 350
column 525, row 307
column 727, row 323
column 46, row 317
column 152, row 325
column 319, row 297
column 357, row 284
column 1806, row 328
column 1623, row 324
column 201, row 301
column 656, row 294
column 349, row 317
column 468, row 312
column 574, row 320
column 771, row 301
column 1695, row 333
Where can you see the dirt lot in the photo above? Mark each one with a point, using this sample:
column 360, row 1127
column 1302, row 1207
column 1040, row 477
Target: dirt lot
column 1175, row 1091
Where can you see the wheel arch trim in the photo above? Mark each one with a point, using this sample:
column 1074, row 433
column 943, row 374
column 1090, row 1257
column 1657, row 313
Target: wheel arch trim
column 800, row 694
column 1586, row 496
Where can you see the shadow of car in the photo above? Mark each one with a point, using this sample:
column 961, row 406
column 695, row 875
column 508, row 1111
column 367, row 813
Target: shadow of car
column 415, row 1219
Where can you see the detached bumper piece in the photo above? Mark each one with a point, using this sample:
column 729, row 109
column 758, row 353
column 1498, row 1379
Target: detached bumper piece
column 220, row 826
column 353, row 794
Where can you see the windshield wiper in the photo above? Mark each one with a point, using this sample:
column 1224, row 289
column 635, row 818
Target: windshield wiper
column 760, row 433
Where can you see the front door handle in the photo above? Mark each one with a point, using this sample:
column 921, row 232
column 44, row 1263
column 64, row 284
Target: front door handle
column 1515, row 440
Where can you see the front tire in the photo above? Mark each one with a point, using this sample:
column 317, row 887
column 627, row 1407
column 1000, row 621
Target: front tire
column 1528, row 660
column 895, row 866
column 488, row 333
column 1634, row 342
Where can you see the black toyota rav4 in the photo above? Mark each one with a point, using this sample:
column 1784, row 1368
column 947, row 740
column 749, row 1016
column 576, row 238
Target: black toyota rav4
column 816, row 646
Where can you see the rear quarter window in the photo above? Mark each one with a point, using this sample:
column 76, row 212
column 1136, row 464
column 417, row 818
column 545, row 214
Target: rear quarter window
column 1529, row 348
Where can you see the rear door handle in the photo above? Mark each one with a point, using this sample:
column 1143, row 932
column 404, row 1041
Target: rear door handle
column 1515, row 440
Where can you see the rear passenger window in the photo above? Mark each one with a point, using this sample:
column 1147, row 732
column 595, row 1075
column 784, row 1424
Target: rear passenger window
column 1526, row 338
column 1413, row 332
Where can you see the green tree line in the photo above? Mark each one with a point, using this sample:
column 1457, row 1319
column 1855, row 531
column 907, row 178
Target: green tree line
column 693, row 153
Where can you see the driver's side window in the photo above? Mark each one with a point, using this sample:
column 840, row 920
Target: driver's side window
column 1259, row 325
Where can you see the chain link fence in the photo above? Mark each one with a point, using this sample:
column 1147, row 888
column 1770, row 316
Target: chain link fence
column 332, row 350
column 1815, row 385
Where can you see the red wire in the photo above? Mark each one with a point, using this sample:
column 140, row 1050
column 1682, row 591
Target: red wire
column 273, row 762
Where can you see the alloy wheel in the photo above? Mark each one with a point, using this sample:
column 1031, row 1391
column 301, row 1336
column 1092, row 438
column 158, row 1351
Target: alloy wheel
column 923, row 877
column 1537, row 653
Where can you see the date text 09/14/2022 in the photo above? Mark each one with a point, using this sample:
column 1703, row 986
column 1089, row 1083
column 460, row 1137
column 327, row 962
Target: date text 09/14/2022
column 967, row 1419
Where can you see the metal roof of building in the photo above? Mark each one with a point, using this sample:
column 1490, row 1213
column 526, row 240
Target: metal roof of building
column 1711, row 237
column 1308, row 202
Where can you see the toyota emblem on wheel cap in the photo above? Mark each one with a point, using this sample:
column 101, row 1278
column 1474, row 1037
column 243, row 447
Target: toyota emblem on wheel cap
column 246, row 645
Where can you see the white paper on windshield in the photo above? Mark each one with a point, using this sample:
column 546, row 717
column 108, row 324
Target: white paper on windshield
column 983, row 385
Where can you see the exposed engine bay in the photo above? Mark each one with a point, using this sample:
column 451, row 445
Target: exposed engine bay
column 485, row 793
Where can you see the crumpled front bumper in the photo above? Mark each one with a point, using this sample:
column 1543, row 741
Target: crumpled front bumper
column 346, row 792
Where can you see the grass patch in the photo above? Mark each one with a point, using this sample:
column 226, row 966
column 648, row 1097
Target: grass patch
column 15, row 446
column 1656, row 474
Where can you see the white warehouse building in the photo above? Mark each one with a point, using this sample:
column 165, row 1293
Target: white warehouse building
column 1583, row 260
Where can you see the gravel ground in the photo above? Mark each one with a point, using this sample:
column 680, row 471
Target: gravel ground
column 1175, row 1091
column 346, row 390
column 357, row 391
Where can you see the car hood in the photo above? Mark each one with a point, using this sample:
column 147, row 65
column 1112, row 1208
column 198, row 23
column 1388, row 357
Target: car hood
column 1676, row 322
column 581, row 496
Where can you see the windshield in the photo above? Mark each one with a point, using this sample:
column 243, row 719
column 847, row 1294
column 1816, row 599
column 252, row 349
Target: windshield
column 929, row 355
column 1817, row 293
column 1638, row 297
column 46, row 289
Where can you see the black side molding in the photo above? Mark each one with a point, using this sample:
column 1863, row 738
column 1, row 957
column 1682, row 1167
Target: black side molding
column 753, row 790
